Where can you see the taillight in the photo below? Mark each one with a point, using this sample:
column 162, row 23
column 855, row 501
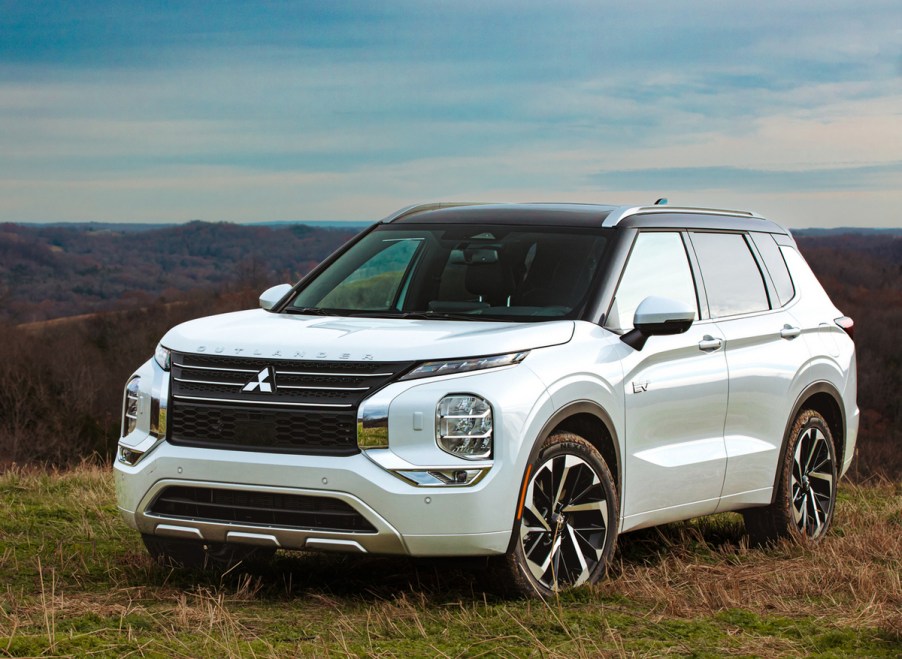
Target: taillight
column 847, row 324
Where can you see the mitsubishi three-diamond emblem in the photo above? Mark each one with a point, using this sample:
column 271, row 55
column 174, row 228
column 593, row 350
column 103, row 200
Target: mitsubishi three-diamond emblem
column 262, row 382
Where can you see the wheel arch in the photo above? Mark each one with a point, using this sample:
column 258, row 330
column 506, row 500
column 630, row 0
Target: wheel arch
column 825, row 399
column 591, row 422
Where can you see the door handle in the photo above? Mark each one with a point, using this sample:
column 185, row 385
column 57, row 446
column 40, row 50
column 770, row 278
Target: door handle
column 789, row 332
column 710, row 344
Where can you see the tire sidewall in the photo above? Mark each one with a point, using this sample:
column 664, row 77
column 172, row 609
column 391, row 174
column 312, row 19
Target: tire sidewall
column 805, row 421
column 556, row 445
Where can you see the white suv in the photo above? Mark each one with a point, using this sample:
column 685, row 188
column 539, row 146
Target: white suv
column 519, row 380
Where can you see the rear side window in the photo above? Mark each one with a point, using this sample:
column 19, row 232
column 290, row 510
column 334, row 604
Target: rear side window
column 733, row 282
column 776, row 266
column 658, row 265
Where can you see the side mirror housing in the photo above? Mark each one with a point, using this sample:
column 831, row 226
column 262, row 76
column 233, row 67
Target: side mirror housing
column 658, row 316
column 272, row 295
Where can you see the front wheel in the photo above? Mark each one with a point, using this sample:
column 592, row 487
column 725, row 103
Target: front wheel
column 806, row 489
column 566, row 531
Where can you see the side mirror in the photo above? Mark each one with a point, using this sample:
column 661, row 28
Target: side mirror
column 272, row 295
column 658, row 316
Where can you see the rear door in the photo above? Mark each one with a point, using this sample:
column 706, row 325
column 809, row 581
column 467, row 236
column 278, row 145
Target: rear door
column 763, row 354
column 675, row 393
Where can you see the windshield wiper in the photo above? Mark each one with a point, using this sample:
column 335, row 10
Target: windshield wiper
column 312, row 311
column 417, row 315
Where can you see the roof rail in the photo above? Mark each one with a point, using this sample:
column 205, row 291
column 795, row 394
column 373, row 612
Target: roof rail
column 626, row 211
column 421, row 208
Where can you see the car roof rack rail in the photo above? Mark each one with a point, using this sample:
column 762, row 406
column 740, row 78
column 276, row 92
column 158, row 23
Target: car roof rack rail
column 616, row 216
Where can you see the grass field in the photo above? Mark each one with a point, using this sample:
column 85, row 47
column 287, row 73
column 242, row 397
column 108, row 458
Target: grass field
column 75, row 581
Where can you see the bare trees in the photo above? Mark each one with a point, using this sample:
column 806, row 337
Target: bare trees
column 61, row 383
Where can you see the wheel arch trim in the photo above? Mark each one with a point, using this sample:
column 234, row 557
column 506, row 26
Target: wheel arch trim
column 560, row 416
column 813, row 389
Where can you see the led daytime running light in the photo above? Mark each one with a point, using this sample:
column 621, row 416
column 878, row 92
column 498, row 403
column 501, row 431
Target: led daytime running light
column 451, row 366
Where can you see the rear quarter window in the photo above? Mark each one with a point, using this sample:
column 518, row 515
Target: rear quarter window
column 776, row 266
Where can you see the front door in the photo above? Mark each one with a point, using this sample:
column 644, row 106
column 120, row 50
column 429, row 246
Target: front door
column 675, row 394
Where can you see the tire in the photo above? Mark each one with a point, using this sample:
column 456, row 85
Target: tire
column 199, row 555
column 806, row 490
column 567, row 532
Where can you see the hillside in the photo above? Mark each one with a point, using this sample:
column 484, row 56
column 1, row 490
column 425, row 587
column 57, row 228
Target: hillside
column 57, row 271
column 64, row 375
column 863, row 275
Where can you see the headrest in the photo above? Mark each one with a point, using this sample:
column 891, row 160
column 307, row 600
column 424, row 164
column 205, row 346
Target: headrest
column 493, row 281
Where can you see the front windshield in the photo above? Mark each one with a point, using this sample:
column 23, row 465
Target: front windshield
column 517, row 273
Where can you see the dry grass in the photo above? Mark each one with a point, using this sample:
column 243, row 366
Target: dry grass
column 856, row 574
column 76, row 583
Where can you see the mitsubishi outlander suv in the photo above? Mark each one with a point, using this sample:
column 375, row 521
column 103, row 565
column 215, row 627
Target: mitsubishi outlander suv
column 525, row 381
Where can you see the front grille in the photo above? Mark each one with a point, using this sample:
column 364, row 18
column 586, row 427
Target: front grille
column 258, row 509
column 247, row 428
column 282, row 406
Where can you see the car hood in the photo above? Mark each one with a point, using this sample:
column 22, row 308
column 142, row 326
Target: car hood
column 263, row 334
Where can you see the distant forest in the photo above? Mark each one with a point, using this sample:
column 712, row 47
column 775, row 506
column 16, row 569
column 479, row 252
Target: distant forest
column 61, row 380
column 56, row 271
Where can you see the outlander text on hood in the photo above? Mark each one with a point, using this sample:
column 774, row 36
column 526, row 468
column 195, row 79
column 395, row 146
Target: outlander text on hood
column 526, row 381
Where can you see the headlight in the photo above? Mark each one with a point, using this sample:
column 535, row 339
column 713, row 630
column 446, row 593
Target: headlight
column 161, row 357
column 463, row 426
column 448, row 366
column 130, row 406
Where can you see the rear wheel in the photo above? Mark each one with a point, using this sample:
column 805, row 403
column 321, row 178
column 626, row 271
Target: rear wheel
column 806, row 490
column 199, row 555
column 567, row 530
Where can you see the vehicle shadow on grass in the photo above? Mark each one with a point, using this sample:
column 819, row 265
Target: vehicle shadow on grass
column 294, row 574
column 298, row 575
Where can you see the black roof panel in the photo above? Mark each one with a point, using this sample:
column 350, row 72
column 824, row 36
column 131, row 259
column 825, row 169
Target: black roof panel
column 584, row 215
column 577, row 215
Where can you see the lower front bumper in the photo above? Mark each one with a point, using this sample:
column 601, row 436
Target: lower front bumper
column 406, row 520
column 385, row 539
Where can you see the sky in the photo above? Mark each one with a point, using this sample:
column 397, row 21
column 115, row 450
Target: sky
column 162, row 111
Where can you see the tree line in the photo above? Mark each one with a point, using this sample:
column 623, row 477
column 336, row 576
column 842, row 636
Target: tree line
column 55, row 271
column 61, row 381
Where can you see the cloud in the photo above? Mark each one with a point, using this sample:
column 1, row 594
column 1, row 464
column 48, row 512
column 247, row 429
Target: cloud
column 870, row 177
column 286, row 110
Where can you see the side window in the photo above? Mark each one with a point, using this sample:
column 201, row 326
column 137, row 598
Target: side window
column 776, row 266
column 733, row 282
column 657, row 265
